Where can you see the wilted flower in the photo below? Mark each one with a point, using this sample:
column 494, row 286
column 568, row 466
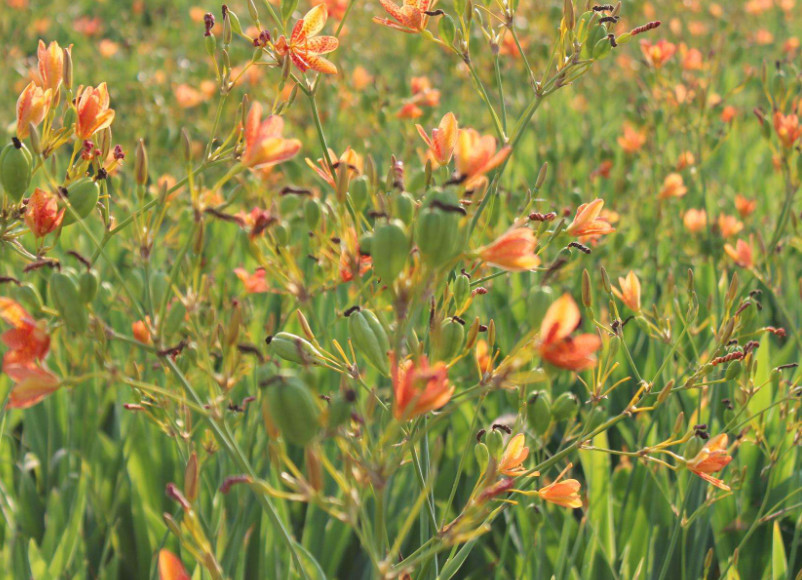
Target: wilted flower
column 658, row 53
column 32, row 106
column 410, row 18
column 264, row 144
column 514, row 251
column 305, row 48
column 673, row 186
column 588, row 222
column 632, row 139
column 51, row 65
column 741, row 253
column 443, row 139
column 476, row 155
column 788, row 128
column 711, row 458
column 43, row 214
column 629, row 293
column 255, row 283
column 515, row 453
column 695, row 220
column 557, row 346
column 94, row 114
column 418, row 387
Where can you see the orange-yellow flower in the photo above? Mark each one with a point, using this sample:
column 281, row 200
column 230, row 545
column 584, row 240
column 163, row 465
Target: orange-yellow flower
column 728, row 113
column 418, row 387
column 788, row 128
column 94, row 114
column 557, row 346
column 515, row 453
column 410, row 18
column 51, row 65
column 563, row 492
column 659, row 53
column 744, row 205
column 43, row 214
column 443, row 139
column 729, row 225
column 32, row 383
column 673, row 186
column 629, row 293
column 741, row 253
column 514, row 251
column 632, row 139
column 711, row 458
column 588, row 222
column 264, row 144
column 350, row 158
column 28, row 342
column 32, row 106
column 305, row 48
column 476, row 155
column 484, row 359
column 686, row 159
column 255, row 283
column 695, row 220
column 171, row 567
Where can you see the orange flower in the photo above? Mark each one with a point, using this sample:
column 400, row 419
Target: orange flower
column 564, row 493
column 94, row 114
column 632, row 140
column 187, row 96
column 741, row 253
column 443, row 139
column 728, row 113
column 476, row 155
column 171, row 567
column 264, row 144
column 353, row 264
column 410, row 18
column 630, row 291
column 695, row 220
column 711, row 458
column 657, row 54
column 28, row 342
column 603, row 170
column 42, row 214
column 514, row 251
column 788, row 129
column 305, row 48
column 418, row 387
column 693, row 60
column 51, row 65
column 32, row 106
column 483, row 356
column 729, row 225
column 557, row 346
column 141, row 331
column 514, row 455
column 255, row 283
column 686, row 159
column 673, row 186
column 588, row 222
column 32, row 383
column 349, row 158
column 745, row 206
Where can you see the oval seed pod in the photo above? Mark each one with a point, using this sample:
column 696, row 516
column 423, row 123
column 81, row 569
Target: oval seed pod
column 369, row 338
column 495, row 442
column 294, row 410
column 404, row 207
column 15, row 169
column 65, row 297
column 449, row 340
column 539, row 412
column 565, row 407
column 88, row 283
column 389, row 250
column 438, row 232
column 82, row 196
column 360, row 192
column 482, row 456
column 293, row 348
column 312, row 213
column 462, row 290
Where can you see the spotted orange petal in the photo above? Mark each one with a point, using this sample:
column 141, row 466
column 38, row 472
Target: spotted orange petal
column 321, row 44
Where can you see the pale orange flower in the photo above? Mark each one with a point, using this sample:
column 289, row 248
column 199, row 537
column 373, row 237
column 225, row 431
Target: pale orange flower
column 686, row 159
column 94, row 114
column 632, row 139
column 483, row 356
column 729, row 225
column 659, row 53
column 32, row 383
column 673, row 186
column 443, row 139
column 602, row 170
column 108, row 48
column 711, row 458
column 693, row 59
column 788, row 128
column 28, row 341
column 171, row 567
column 187, row 96
column 304, row 46
column 264, row 144
column 476, row 155
column 51, row 65
column 361, row 78
column 557, row 346
column 515, row 453
column 42, row 214
column 514, row 251
column 409, row 110
column 410, row 18
column 336, row 8
column 349, row 158
column 588, row 221
column 563, row 492
column 741, row 253
column 32, row 106
column 630, row 291
column 695, row 220
column 728, row 113
column 255, row 283
column 418, row 387
column 745, row 206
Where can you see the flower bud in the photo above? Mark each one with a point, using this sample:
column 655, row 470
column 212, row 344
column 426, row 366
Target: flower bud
column 462, row 290
column 67, row 68
column 191, row 478
column 141, row 164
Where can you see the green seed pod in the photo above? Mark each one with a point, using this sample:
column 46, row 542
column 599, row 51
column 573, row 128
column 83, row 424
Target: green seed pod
column 365, row 242
column 448, row 340
column 389, row 250
column 438, row 232
column 294, row 410
column 15, row 169
column 565, row 407
column 281, row 234
column 462, row 290
column 539, row 412
column 293, row 348
column 65, row 297
column 404, row 207
column 602, row 48
column 312, row 213
column 88, row 283
column 28, row 294
column 692, row 447
column 369, row 338
column 482, row 456
column 733, row 370
column 236, row 26
column 495, row 443
column 340, row 410
column 83, row 196
column 360, row 192
column 210, row 42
